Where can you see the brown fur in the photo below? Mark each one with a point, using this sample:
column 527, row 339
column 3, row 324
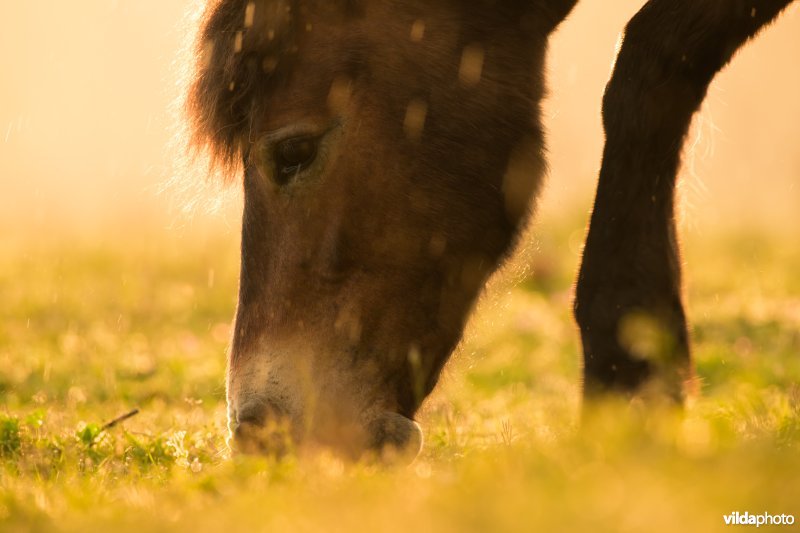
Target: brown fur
column 358, row 272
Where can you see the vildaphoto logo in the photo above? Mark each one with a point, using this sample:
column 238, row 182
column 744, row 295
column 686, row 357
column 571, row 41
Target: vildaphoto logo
column 763, row 519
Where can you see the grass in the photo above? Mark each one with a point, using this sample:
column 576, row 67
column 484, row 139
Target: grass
column 90, row 331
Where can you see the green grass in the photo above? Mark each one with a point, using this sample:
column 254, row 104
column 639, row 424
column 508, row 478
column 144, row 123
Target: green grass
column 90, row 331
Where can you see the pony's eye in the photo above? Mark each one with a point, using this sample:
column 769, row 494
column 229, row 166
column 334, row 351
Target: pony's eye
column 293, row 156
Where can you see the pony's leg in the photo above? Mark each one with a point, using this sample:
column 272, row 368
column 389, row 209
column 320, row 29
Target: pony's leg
column 628, row 298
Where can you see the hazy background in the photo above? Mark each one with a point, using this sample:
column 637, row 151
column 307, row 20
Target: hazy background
column 85, row 126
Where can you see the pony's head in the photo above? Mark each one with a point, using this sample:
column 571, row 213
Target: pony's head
column 389, row 152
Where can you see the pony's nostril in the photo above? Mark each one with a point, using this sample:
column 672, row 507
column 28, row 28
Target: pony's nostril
column 250, row 418
column 260, row 428
column 258, row 413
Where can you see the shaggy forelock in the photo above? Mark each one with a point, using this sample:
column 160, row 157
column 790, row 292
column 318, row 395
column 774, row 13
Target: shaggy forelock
column 243, row 47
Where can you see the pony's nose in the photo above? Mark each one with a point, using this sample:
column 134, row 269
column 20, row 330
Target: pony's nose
column 258, row 412
column 253, row 417
column 396, row 438
column 260, row 428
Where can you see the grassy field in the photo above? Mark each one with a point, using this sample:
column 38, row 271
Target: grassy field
column 90, row 331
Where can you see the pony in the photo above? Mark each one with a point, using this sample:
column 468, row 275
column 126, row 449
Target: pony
column 390, row 152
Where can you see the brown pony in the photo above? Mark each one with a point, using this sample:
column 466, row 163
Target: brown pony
column 390, row 151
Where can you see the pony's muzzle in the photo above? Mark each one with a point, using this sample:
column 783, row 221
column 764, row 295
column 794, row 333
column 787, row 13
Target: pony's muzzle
column 390, row 437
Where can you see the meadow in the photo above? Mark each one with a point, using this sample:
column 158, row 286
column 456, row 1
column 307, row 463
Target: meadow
column 93, row 329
